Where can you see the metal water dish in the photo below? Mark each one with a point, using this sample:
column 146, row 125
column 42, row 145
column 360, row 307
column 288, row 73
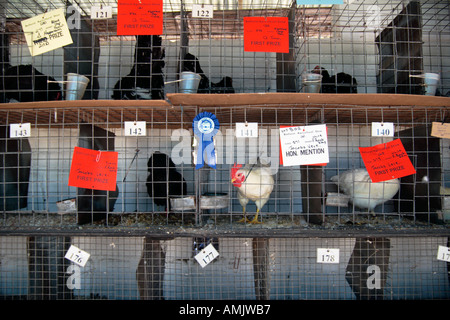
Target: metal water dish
column 214, row 201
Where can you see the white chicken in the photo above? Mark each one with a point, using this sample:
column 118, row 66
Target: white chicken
column 363, row 192
column 253, row 183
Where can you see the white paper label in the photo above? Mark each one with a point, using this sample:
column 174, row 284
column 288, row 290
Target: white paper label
column 443, row 254
column 46, row 32
column 19, row 130
column 77, row 256
column 325, row 255
column 135, row 128
column 102, row 12
column 382, row 129
column 207, row 255
column 304, row 145
column 247, row 130
column 202, row 11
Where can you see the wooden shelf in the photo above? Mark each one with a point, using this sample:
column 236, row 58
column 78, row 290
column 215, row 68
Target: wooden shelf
column 248, row 99
column 266, row 108
column 308, row 99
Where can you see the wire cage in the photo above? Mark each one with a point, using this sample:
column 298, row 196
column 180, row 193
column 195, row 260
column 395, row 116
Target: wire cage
column 119, row 175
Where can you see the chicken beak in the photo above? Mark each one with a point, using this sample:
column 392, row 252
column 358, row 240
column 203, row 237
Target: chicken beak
column 233, row 180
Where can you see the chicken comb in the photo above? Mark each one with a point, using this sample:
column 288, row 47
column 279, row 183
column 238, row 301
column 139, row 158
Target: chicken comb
column 235, row 168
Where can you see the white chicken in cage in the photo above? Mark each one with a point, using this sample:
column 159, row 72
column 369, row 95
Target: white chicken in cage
column 364, row 193
column 253, row 182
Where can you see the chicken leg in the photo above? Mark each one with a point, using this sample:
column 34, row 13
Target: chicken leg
column 244, row 219
column 255, row 219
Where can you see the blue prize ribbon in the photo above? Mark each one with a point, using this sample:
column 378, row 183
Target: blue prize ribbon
column 205, row 126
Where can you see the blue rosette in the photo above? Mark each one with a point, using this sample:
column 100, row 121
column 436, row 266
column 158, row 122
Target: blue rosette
column 205, row 126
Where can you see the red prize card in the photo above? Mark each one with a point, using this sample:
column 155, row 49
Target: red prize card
column 269, row 34
column 93, row 169
column 387, row 161
column 139, row 17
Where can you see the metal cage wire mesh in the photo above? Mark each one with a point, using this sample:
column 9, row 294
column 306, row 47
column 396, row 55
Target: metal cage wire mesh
column 277, row 269
column 389, row 254
column 42, row 163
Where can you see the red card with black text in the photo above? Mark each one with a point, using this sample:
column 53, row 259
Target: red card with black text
column 269, row 34
column 139, row 17
column 93, row 169
column 387, row 161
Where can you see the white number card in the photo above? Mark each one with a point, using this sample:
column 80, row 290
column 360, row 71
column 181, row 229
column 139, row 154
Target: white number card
column 325, row 255
column 135, row 128
column 202, row 11
column 382, row 129
column 77, row 256
column 206, row 256
column 246, row 130
column 101, row 12
column 19, row 130
column 443, row 253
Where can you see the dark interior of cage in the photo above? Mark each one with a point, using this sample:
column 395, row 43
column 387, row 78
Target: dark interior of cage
column 34, row 170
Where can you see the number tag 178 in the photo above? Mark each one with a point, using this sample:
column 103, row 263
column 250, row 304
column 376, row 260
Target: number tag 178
column 325, row 255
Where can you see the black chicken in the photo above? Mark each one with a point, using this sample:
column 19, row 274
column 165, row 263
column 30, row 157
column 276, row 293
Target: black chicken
column 225, row 85
column 164, row 181
column 145, row 80
column 24, row 83
column 339, row 83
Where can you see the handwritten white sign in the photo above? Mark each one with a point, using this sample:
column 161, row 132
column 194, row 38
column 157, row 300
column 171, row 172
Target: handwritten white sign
column 46, row 32
column 304, row 145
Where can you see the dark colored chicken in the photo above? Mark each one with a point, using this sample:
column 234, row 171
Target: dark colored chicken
column 339, row 83
column 145, row 80
column 225, row 85
column 164, row 181
column 24, row 83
